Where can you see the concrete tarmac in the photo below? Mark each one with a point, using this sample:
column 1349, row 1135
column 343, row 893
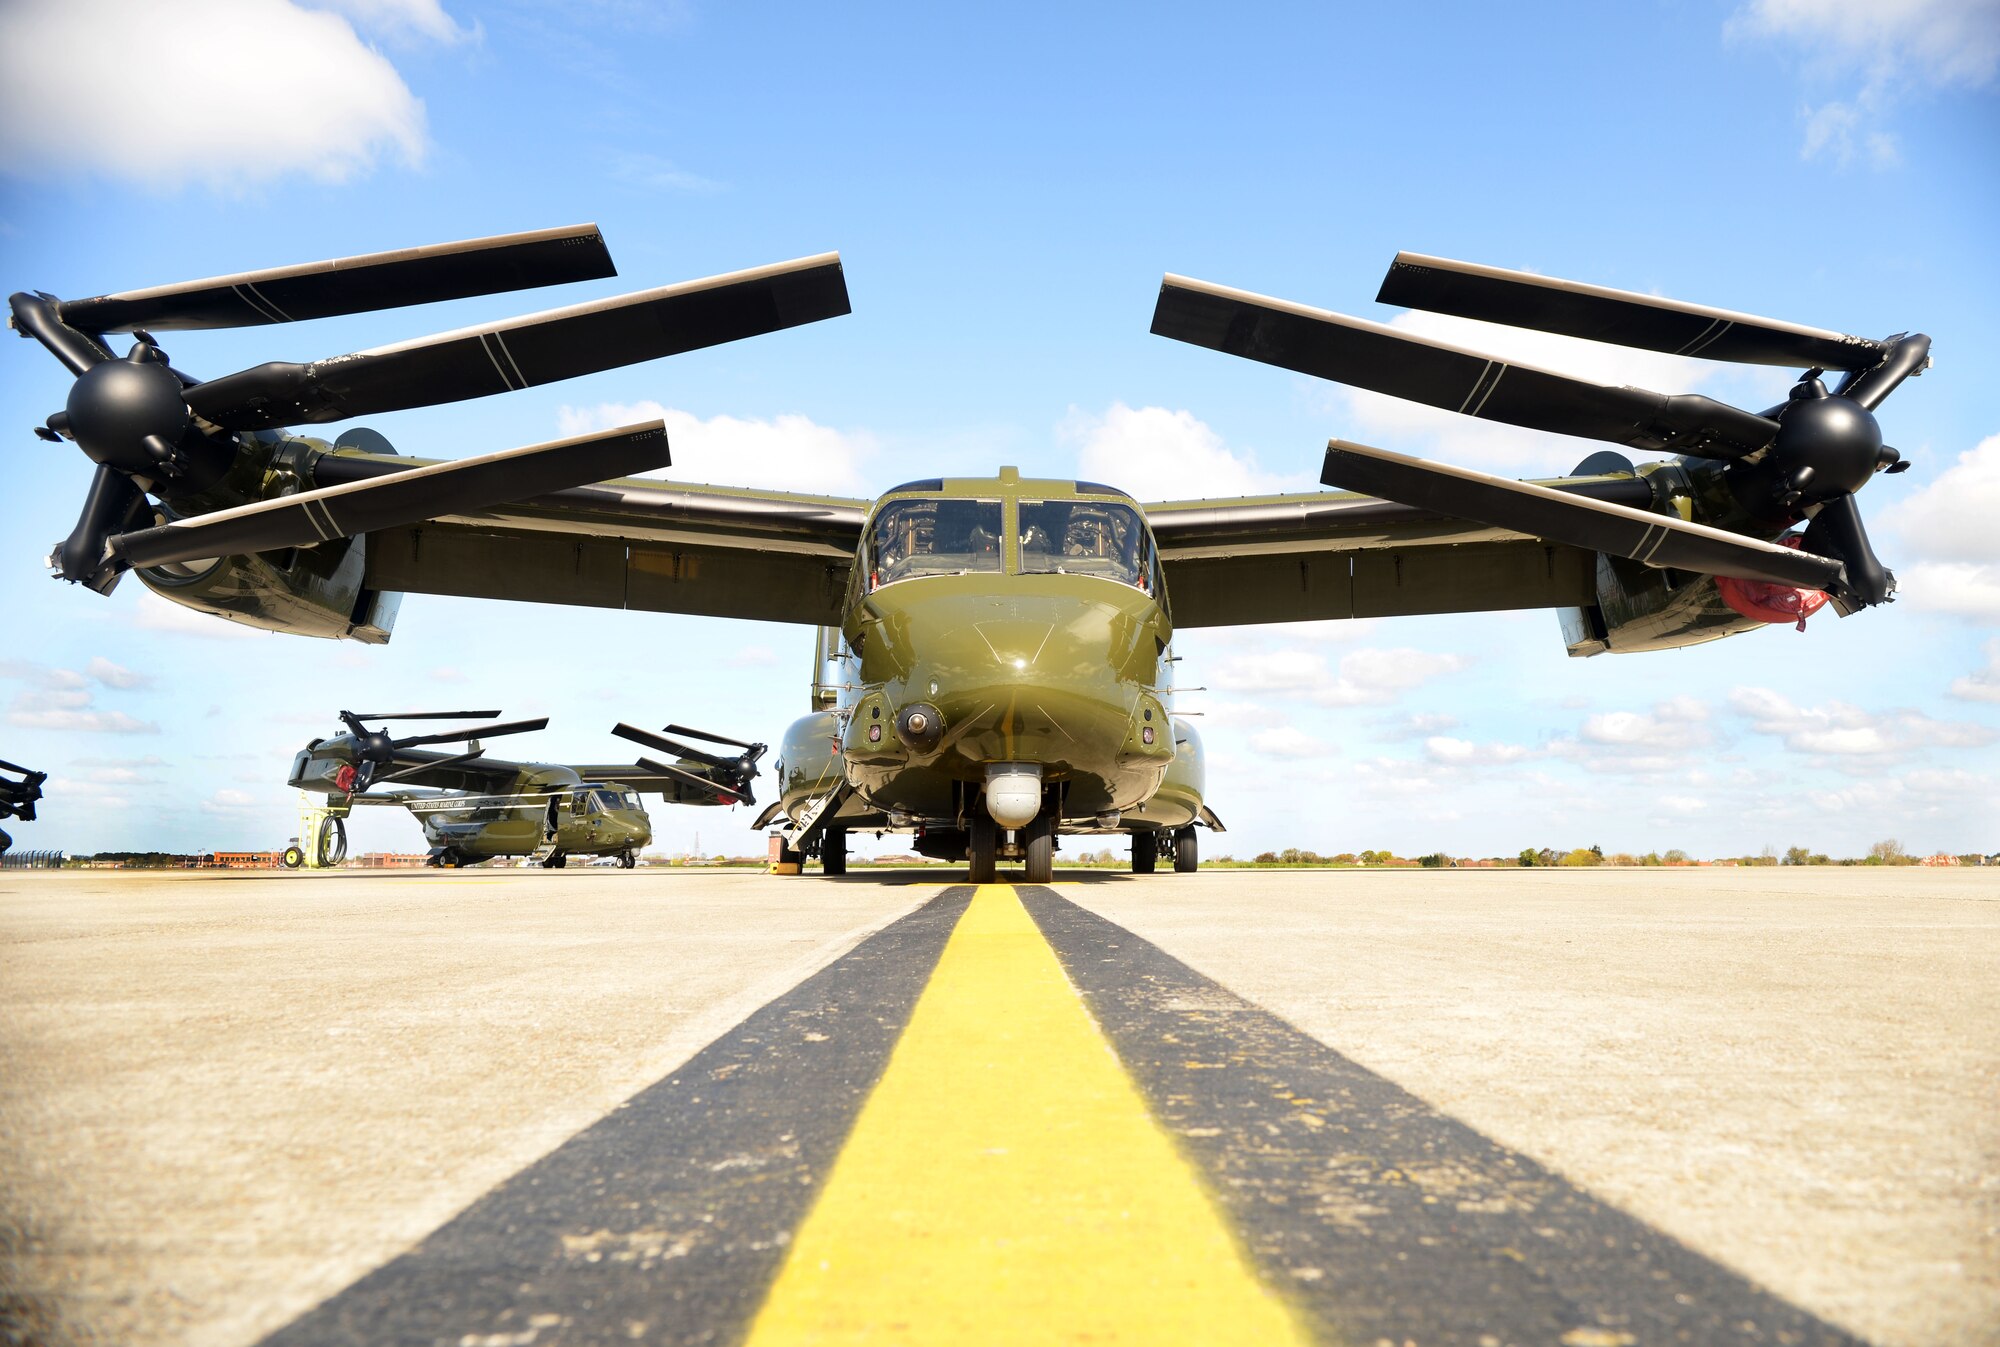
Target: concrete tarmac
column 227, row 1097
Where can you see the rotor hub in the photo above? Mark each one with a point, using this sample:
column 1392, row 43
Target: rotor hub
column 128, row 415
column 1826, row 447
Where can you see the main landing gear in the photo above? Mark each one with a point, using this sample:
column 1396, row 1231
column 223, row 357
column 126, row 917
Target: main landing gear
column 1185, row 848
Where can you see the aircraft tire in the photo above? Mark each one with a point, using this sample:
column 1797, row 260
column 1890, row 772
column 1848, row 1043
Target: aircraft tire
column 1145, row 852
column 833, row 851
column 627, row 860
column 1040, row 839
column 294, row 857
column 1187, row 851
column 331, row 843
column 982, row 848
column 556, row 862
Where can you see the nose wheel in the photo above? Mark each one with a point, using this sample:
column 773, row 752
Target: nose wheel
column 1038, row 848
column 982, row 848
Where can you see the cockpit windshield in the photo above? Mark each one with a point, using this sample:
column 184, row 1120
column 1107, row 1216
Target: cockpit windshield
column 933, row 537
column 1085, row 537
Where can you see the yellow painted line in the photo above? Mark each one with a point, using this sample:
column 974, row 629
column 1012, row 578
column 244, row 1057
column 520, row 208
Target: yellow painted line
column 1005, row 1183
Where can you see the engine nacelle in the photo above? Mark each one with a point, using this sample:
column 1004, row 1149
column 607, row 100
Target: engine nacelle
column 301, row 591
column 1641, row 607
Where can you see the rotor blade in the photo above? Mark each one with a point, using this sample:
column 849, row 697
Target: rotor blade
column 113, row 503
column 432, row 766
column 476, row 732
column 422, row 715
column 712, row 738
column 690, row 779
column 1559, row 516
column 399, row 498
column 1374, row 356
column 1837, row 531
column 524, row 352
column 665, row 745
column 1621, row 317
column 354, row 284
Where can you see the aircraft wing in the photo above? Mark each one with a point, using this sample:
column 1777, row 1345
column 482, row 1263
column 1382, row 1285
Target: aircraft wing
column 655, row 546
column 1335, row 554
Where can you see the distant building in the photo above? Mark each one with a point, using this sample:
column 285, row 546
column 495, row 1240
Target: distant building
column 1942, row 858
column 390, row 860
column 246, row 860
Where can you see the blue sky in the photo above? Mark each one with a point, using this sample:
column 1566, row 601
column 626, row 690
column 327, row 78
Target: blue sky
column 1007, row 187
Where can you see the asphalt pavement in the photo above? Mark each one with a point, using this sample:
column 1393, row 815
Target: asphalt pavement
column 1599, row 1108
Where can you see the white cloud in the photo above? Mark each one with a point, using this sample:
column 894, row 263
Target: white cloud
column 1840, row 730
column 791, row 452
column 1674, row 724
column 1951, row 587
column 115, row 675
column 1939, row 41
column 1465, row 753
column 42, row 711
column 265, row 89
column 1951, row 518
column 1681, row 804
column 1982, row 685
column 1948, row 526
column 1158, row 454
column 62, row 699
column 1369, row 677
column 1288, row 741
column 229, row 802
column 1892, row 46
column 1844, row 132
column 649, row 172
column 402, row 19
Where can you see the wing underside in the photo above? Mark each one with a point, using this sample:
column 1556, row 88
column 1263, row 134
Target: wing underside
column 631, row 543
column 1324, row 554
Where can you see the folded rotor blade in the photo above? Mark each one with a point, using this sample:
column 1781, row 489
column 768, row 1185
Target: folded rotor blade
column 415, row 768
column 1544, row 512
column 423, row 715
column 712, row 738
column 399, row 498
column 665, row 745
column 1621, row 317
column 524, row 352
column 476, row 732
column 1374, row 356
column 354, row 284
column 715, row 788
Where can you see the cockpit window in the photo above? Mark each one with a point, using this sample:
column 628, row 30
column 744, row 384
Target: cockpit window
column 1085, row 537
column 933, row 537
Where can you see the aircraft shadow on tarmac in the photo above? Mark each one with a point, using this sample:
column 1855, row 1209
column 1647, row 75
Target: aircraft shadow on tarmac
column 1374, row 1215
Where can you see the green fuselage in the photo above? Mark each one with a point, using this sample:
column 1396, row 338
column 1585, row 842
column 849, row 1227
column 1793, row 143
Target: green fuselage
column 1016, row 653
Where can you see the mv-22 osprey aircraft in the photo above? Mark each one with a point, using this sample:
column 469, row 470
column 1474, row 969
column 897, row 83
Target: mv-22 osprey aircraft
column 474, row 808
column 994, row 653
